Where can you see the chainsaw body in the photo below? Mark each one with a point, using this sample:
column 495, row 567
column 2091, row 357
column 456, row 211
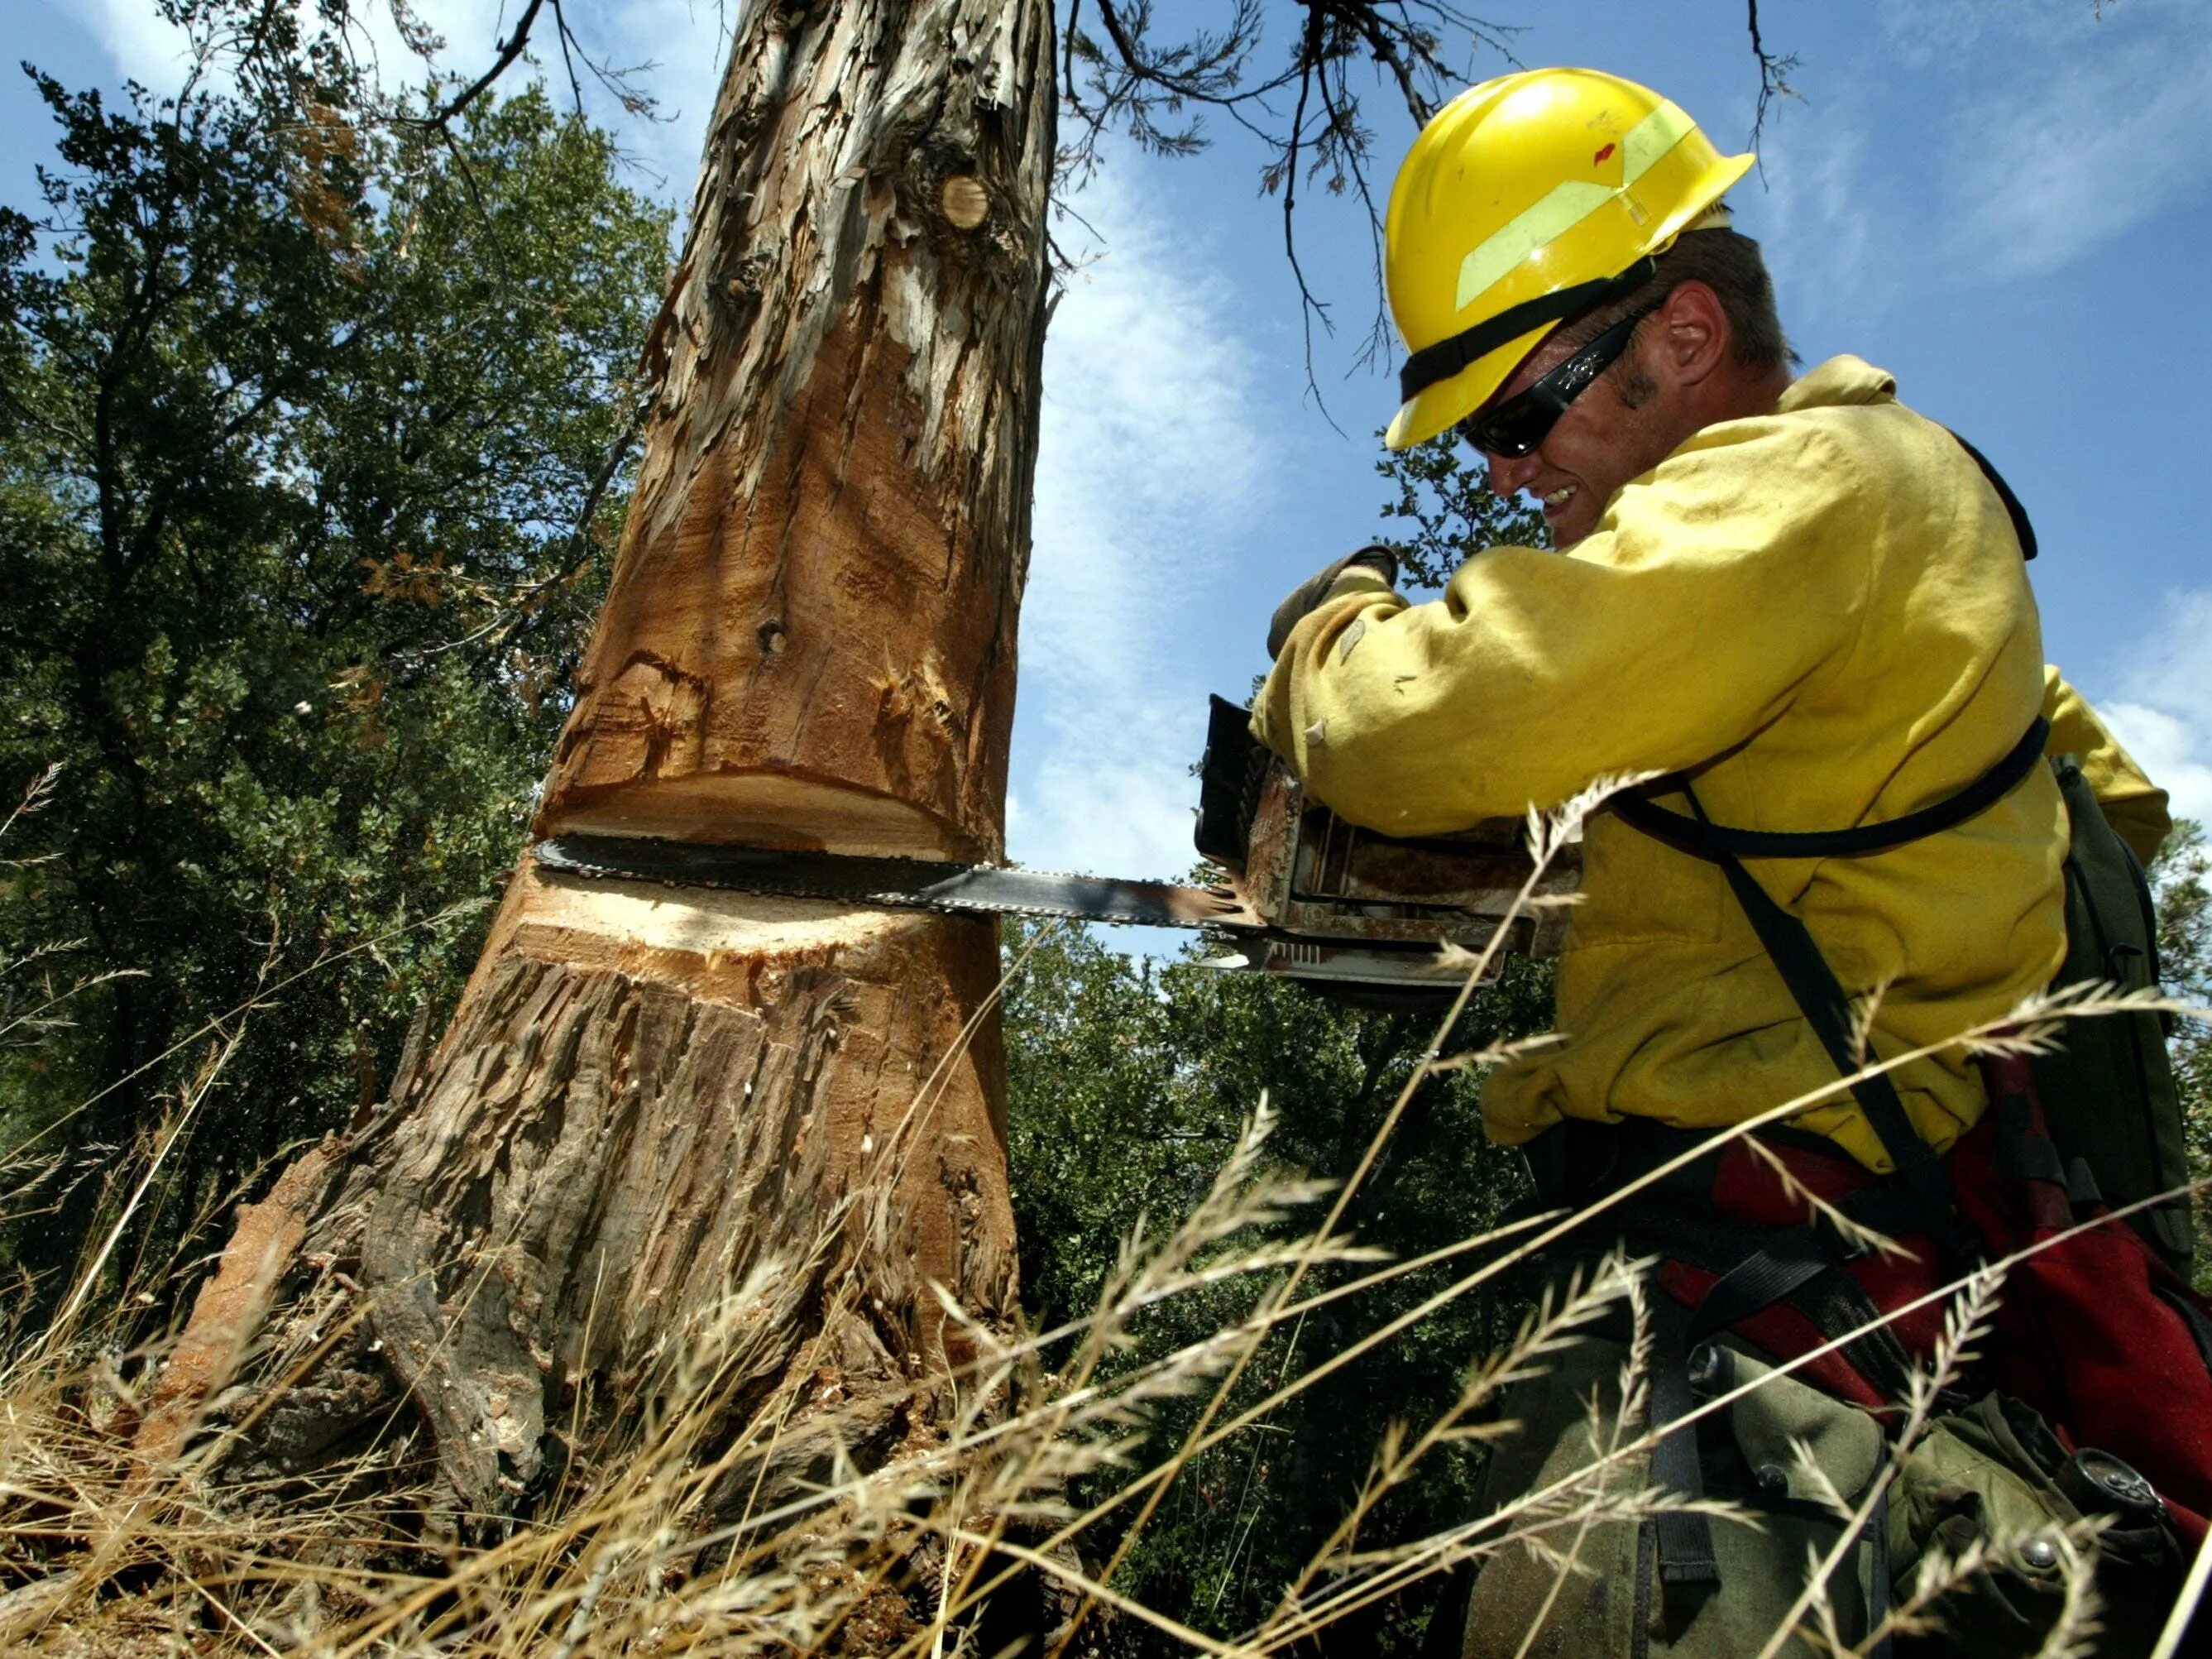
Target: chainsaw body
column 1336, row 902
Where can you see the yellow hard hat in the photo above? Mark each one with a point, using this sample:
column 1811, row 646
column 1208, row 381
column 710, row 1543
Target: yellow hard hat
column 1528, row 200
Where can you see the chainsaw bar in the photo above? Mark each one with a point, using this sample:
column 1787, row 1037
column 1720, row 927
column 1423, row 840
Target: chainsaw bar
column 895, row 883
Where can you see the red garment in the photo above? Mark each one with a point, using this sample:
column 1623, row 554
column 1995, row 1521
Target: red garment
column 2091, row 1331
column 1747, row 1187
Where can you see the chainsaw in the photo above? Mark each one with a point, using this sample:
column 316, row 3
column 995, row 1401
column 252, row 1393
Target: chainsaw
column 1302, row 894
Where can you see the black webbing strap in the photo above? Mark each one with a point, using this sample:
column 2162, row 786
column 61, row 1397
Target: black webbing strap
column 1838, row 1305
column 1876, row 1534
column 1447, row 357
column 2022, row 1153
column 1813, row 984
column 2013, row 510
column 1718, row 841
column 1685, row 1538
column 2082, row 1191
column 1788, row 1259
column 1802, row 1267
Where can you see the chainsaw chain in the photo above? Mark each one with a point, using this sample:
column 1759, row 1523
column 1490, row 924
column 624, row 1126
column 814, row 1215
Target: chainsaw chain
column 723, row 869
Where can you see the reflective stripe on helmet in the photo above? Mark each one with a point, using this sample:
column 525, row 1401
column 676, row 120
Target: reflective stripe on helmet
column 1569, row 204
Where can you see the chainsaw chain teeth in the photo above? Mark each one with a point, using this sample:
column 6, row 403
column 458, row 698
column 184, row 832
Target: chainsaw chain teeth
column 812, row 876
column 1041, row 912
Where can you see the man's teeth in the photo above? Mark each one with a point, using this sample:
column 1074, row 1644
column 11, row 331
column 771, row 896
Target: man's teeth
column 1561, row 496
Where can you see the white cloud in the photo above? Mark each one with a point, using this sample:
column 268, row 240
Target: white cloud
column 2175, row 669
column 2170, row 751
column 1983, row 140
column 1121, row 812
column 2102, row 128
column 1809, row 202
column 1944, row 34
column 146, row 48
column 1148, row 460
column 2163, row 716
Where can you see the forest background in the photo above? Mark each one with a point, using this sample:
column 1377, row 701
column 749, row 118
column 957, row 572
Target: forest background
column 314, row 443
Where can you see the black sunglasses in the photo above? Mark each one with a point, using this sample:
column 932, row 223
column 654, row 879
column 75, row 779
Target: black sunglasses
column 1516, row 426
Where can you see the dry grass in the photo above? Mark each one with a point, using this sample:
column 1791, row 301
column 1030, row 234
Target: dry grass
column 963, row 1541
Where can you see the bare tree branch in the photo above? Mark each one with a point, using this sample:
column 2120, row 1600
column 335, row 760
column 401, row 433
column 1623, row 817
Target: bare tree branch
column 1311, row 309
column 509, row 50
column 1156, row 91
column 1774, row 71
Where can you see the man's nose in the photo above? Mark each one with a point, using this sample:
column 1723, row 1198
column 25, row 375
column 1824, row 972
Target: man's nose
column 1511, row 474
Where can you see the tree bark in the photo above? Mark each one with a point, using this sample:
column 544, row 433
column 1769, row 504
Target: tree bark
column 658, row 1113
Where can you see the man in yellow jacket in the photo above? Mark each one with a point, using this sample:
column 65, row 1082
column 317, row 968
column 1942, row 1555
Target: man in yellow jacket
column 1796, row 591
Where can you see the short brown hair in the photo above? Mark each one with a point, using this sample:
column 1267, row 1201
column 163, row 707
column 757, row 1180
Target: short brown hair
column 1731, row 265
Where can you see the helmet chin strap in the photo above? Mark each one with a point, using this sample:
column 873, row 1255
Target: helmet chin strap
column 1447, row 357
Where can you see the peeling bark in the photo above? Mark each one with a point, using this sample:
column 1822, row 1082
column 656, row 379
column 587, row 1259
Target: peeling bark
column 810, row 636
column 228, row 1310
column 660, row 1112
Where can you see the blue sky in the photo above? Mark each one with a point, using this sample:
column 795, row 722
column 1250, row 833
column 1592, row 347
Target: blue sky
column 2004, row 201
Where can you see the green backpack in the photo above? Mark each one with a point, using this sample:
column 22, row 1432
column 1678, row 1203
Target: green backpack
column 2108, row 1093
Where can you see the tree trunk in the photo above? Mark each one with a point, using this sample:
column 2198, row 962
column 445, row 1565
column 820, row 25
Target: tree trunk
column 656, row 1110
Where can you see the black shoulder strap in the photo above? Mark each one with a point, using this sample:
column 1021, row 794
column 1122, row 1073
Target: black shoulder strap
column 1813, row 983
column 1719, row 841
column 2013, row 510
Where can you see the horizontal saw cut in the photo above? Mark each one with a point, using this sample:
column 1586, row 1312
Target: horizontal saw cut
column 1307, row 895
column 893, row 883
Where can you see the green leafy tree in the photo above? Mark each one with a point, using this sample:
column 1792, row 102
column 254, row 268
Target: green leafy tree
column 1442, row 512
column 311, row 444
column 2182, row 877
column 1130, row 1082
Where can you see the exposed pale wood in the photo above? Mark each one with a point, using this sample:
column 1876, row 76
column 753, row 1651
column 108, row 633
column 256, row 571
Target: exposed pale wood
column 965, row 201
column 647, row 1098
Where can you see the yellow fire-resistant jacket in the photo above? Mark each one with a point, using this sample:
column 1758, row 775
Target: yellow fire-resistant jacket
column 1822, row 615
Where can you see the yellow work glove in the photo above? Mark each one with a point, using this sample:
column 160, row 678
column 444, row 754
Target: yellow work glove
column 1319, row 588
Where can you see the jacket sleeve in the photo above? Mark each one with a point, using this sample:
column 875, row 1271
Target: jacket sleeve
column 1714, row 587
column 2136, row 805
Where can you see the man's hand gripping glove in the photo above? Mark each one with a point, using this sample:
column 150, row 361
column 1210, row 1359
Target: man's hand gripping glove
column 1318, row 589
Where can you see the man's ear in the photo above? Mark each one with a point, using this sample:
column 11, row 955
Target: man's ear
column 1694, row 334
